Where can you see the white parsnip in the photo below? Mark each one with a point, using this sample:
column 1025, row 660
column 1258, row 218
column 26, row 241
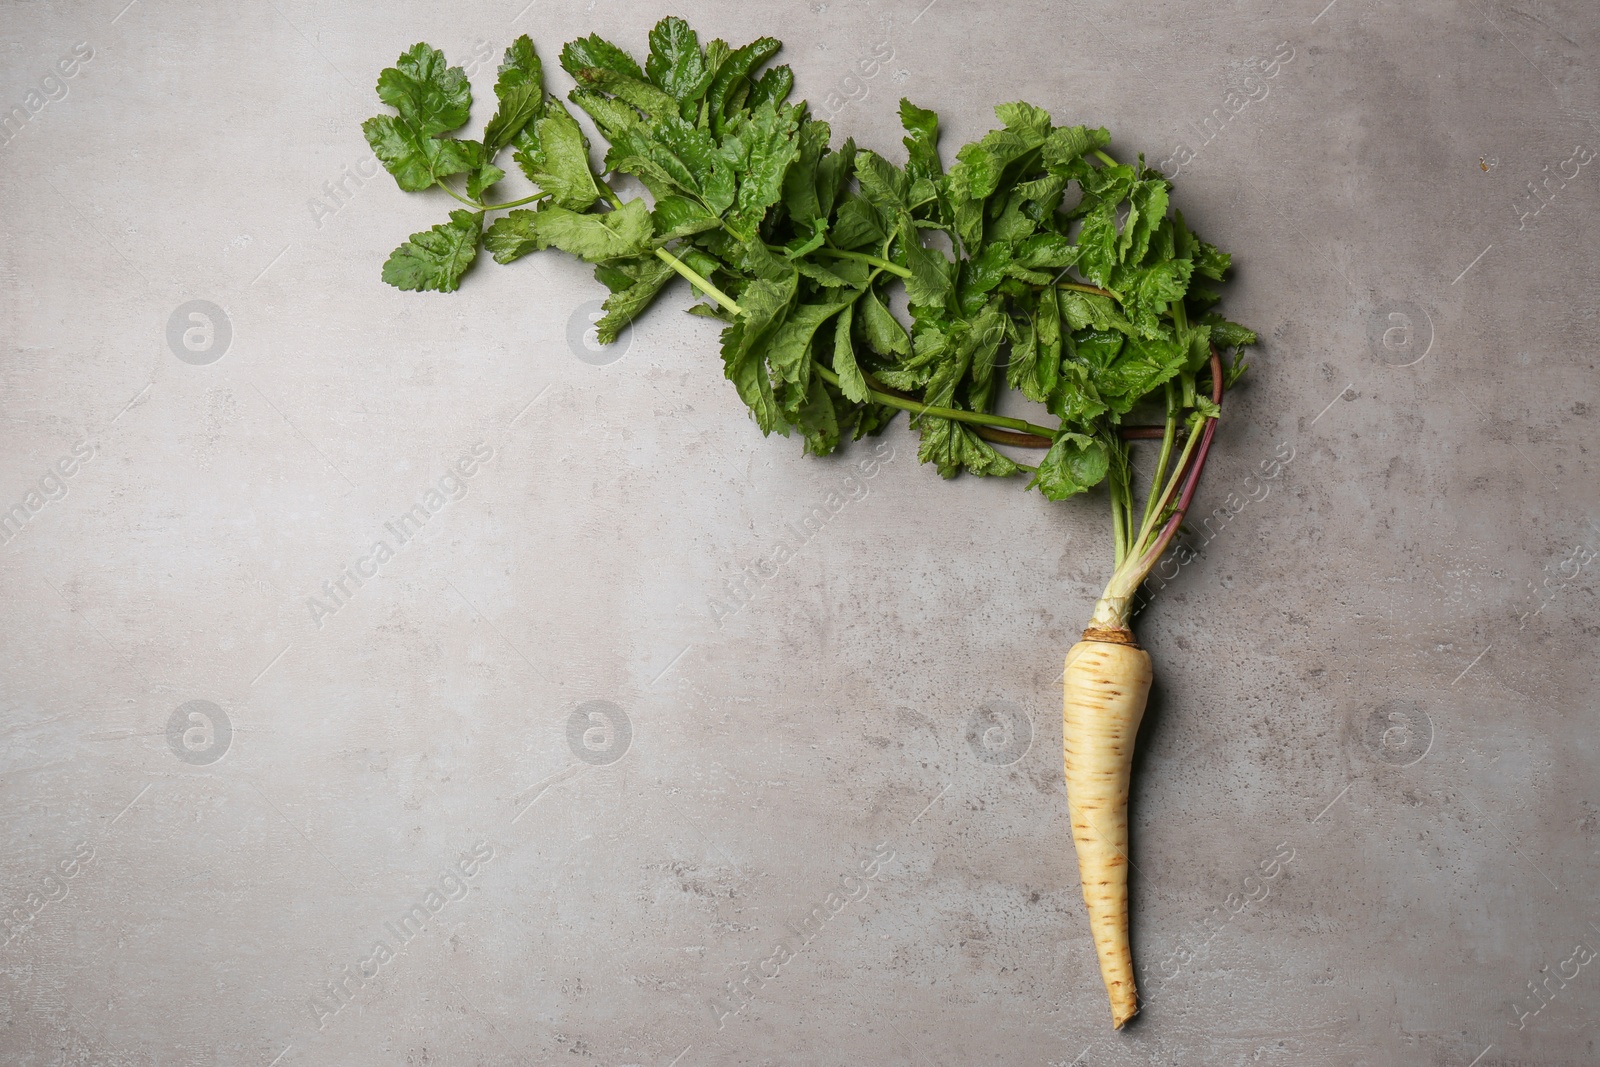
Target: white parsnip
column 1105, row 686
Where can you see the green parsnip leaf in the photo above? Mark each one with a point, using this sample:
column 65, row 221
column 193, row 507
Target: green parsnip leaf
column 800, row 190
column 596, row 51
column 682, row 216
column 744, row 367
column 1074, row 464
column 556, row 159
column 520, row 90
column 851, row 382
column 636, row 91
column 437, row 258
column 789, row 348
column 614, row 117
column 644, row 278
column 881, row 329
column 952, row 448
column 760, row 148
column 1067, row 144
column 618, row 234
column 929, row 283
column 771, row 88
column 882, row 183
column 486, row 175
column 921, row 141
column 731, row 83
column 676, row 64
column 432, row 98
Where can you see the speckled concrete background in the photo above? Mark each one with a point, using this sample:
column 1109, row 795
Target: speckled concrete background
column 1366, row 811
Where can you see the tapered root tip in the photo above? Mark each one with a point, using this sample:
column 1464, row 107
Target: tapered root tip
column 1124, row 1004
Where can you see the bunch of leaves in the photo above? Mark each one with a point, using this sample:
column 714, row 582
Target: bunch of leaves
column 1067, row 279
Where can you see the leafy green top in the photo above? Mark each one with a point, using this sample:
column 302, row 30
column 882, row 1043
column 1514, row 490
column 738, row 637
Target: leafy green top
column 1069, row 278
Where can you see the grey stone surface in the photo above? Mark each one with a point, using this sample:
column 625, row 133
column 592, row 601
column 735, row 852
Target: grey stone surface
column 1383, row 668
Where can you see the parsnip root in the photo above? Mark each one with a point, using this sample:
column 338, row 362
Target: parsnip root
column 1106, row 683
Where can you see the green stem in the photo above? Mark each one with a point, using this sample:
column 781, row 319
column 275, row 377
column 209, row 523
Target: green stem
column 515, row 203
column 1096, row 290
column 1167, row 438
column 839, row 253
column 881, row 264
column 1102, row 157
column 697, row 281
column 473, row 204
column 1130, row 548
column 476, row 206
column 1129, row 515
column 695, row 278
column 811, row 245
column 977, row 418
column 1119, row 528
column 1159, row 495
